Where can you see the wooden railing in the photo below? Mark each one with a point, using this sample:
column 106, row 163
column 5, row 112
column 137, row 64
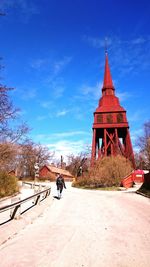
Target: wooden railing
column 15, row 208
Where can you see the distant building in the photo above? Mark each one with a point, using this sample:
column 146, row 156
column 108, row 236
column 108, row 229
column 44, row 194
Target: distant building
column 50, row 172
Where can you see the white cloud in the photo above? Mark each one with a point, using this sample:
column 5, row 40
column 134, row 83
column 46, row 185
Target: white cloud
column 62, row 113
column 123, row 96
column 56, row 85
column 136, row 116
column 51, row 69
column 53, row 65
column 91, row 91
column 126, row 55
column 59, row 65
column 62, row 143
column 136, row 133
column 39, row 63
column 139, row 40
column 69, row 134
column 66, row 148
column 97, row 42
column 134, row 137
column 57, row 136
column 27, row 94
column 41, row 118
column 47, row 104
column 58, row 90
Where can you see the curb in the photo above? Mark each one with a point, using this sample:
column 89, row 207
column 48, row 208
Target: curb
column 142, row 194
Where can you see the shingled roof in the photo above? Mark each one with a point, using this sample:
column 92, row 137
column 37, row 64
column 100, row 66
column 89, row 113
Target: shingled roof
column 59, row 170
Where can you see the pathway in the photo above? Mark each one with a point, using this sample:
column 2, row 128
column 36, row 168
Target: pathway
column 85, row 228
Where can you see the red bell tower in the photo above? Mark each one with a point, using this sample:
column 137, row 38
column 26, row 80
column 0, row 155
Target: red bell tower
column 111, row 134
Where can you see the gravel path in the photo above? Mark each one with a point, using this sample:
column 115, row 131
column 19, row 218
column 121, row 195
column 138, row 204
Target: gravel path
column 85, row 228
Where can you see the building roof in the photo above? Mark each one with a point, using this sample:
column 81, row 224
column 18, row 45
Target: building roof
column 59, row 170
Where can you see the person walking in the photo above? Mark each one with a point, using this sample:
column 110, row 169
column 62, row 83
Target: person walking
column 60, row 183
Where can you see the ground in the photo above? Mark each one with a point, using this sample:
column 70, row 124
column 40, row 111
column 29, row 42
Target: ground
column 85, row 228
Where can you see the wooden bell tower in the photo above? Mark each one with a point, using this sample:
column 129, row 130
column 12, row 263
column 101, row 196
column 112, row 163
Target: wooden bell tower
column 111, row 134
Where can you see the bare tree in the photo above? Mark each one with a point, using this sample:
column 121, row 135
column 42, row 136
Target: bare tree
column 78, row 164
column 144, row 144
column 43, row 154
column 10, row 133
column 9, row 113
column 31, row 153
column 8, row 154
column 139, row 160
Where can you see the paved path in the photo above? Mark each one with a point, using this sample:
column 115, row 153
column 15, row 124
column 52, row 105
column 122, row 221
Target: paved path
column 85, row 228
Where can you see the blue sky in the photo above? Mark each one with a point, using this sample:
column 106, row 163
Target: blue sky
column 53, row 52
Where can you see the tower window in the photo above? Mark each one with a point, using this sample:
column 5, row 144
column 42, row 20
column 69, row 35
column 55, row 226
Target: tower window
column 119, row 117
column 100, row 118
column 109, row 118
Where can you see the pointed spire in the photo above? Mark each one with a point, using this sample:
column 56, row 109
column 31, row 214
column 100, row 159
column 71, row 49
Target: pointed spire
column 107, row 83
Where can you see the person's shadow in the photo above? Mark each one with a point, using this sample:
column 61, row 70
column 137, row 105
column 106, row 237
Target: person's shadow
column 56, row 197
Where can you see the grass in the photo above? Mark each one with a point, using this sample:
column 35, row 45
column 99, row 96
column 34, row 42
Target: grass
column 112, row 188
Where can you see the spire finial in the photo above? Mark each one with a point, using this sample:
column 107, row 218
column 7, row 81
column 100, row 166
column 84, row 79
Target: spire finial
column 106, row 44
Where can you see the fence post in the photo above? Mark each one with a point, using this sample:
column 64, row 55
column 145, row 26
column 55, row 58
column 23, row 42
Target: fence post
column 37, row 201
column 15, row 213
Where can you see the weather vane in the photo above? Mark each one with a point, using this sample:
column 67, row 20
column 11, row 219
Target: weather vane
column 106, row 45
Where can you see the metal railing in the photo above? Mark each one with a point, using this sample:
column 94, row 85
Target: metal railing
column 15, row 208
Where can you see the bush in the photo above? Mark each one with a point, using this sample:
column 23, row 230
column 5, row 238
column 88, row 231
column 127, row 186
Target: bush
column 8, row 184
column 106, row 172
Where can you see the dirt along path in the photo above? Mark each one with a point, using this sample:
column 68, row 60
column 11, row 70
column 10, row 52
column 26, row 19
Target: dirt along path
column 85, row 228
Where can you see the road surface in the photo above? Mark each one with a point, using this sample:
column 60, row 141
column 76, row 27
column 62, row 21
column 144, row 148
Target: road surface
column 85, row 228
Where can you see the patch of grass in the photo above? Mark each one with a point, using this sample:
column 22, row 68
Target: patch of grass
column 111, row 188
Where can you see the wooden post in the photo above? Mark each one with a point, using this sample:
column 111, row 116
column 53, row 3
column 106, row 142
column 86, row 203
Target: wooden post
column 105, row 143
column 93, row 147
column 15, row 213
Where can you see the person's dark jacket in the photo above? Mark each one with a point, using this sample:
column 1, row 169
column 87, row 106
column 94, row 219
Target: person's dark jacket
column 60, row 182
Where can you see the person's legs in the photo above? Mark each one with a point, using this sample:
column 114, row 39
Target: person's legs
column 61, row 189
column 58, row 191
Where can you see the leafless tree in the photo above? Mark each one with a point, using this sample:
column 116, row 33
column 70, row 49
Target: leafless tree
column 144, row 145
column 8, row 153
column 9, row 113
column 78, row 164
column 31, row 153
column 10, row 133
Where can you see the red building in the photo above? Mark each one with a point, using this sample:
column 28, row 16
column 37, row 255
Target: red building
column 111, row 134
column 50, row 172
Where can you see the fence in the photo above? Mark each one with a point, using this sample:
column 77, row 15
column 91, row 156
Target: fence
column 15, row 208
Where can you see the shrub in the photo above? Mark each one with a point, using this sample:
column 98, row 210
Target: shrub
column 8, row 184
column 106, row 172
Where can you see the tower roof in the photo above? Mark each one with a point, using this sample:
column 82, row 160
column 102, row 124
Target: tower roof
column 107, row 82
column 108, row 102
